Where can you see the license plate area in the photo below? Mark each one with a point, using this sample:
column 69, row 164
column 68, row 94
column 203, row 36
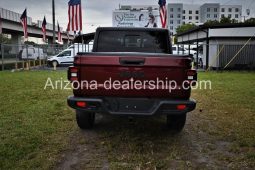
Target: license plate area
column 127, row 105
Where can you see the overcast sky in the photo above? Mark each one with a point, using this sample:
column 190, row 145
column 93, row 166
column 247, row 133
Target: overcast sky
column 95, row 12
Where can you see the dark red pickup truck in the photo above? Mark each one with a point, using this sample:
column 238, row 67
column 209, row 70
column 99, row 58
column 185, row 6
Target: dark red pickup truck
column 132, row 72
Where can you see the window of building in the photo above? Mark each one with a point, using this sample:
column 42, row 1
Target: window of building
column 197, row 12
column 171, row 16
column 215, row 9
column 171, row 21
column 197, row 18
column 190, row 17
column 171, row 27
column 183, row 11
column 237, row 9
column 222, row 9
column 183, row 22
column 171, row 10
column 236, row 16
column 215, row 16
column 183, row 17
column 208, row 9
column 222, row 15
column 178, row 21
column 229, row 9
column 208, row 15
column 190, row 12
column 229, row 15
column 179, row 9
column 179, row 16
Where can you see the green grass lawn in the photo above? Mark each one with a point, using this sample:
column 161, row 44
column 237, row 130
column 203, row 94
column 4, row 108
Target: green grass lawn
column 230, row 109
column 231, row 104
column 35, row 124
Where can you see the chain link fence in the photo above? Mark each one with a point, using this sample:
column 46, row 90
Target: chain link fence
column 221, row 56
column 26, row 56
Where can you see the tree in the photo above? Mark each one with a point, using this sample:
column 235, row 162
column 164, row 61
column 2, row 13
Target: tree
column 225, row 20
column 185, row 27
column 175, row 40
column 29, row 43
column 211, row 22
column 4, row 39
column 250, row 21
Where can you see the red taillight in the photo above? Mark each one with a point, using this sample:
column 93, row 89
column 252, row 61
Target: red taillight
column 81, row 104
column 181, row 107
column 191, row 77
column 73, row 73
column 192, row 74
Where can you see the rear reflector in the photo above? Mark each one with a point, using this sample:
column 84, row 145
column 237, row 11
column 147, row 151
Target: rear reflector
column 81, row 104
column 181, row 107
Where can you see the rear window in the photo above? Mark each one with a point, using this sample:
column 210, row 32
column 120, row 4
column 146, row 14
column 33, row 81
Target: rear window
column 133, row 41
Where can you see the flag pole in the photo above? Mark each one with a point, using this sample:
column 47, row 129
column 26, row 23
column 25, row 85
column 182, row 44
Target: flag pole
column 53, row 21
column 26, row 38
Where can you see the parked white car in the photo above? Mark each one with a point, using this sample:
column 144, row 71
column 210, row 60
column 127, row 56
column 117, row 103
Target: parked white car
column 31, row 53
column 182, row 50
column 66, row 57
column 186, row 51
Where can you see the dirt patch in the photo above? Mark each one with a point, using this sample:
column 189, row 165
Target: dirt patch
column 145, row 143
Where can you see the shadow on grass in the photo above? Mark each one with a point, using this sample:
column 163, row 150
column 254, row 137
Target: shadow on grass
column 140, row 142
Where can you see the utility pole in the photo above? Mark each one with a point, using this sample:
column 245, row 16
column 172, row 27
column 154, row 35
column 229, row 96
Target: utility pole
column 53, row 20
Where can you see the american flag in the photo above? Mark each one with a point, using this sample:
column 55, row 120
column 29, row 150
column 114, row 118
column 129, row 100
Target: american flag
column 59, row 34
column 74, row 15
column 23, row 20
column 44, row 23
column 163, row 12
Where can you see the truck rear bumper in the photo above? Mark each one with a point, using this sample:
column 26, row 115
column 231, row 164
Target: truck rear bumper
column 132, row 106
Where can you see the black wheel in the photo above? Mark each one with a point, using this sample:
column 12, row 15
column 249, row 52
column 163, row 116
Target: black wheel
column 85, row 120
column 176, row 123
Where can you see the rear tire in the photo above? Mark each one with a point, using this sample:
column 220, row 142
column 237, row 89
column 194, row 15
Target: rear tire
column 85, row 120
column 176, row 123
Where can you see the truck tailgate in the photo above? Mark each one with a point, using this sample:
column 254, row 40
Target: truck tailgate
column 108, row 68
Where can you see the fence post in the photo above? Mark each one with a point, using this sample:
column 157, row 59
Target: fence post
column 16, row 62
column 39, row 55
column 28, row 62
column 23, row 65
column 2, row 50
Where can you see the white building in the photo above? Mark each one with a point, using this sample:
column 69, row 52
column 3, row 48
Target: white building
column 191, row 13
column 179, row 13
column 231, row 11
